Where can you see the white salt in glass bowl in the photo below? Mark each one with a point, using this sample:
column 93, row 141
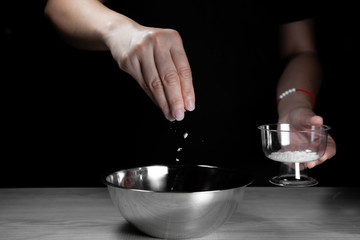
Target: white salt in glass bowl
column 293, row 145
column 178, row 201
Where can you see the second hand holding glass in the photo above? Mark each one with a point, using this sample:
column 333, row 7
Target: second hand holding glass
column 293, row 145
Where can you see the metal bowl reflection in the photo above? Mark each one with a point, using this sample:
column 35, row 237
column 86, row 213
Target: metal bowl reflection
column 176, row 202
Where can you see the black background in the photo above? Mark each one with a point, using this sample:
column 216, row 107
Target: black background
column 64, row 120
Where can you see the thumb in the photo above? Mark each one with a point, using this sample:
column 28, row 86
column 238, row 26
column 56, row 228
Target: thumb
column 306, row 117
column 315, row 120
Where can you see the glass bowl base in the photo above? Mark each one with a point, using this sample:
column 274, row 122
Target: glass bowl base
column 291, row 181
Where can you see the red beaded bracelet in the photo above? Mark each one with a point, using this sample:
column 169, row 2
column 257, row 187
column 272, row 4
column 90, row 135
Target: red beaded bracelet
column 292, row 90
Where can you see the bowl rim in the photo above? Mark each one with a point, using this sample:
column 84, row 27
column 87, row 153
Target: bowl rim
column 249, row 179
column 323, row 128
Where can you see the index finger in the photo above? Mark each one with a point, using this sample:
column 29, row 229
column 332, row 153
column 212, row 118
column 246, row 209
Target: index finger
column 184, row 71
column 171, row 83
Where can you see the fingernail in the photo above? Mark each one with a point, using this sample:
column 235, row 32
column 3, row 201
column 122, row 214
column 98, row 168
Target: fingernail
column 179, row 115
column 190, row 105
column 169, row 117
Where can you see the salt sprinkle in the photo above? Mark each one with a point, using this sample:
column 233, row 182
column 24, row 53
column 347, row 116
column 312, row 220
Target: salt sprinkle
column 294, row 156
column 185, row 135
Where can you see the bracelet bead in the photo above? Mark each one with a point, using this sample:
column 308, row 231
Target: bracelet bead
column 292, row 90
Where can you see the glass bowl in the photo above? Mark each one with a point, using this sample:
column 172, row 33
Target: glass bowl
column 293, row 145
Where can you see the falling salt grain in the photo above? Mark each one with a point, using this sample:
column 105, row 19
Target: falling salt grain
column 185, row 135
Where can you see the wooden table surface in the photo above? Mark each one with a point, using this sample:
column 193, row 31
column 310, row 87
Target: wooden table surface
column 265, row 213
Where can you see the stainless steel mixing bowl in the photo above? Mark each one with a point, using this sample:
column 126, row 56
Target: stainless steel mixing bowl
column 176, row 202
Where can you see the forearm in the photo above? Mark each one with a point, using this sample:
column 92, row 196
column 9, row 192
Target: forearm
column 84, row 23
column 302, row 71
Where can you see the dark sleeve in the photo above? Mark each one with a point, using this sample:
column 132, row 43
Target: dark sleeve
column 291, row 11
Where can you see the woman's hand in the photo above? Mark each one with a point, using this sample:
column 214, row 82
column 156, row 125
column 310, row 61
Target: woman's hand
column 156, row 59
column 307, row 116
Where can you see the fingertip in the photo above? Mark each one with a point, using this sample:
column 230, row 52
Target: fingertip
column 190, row 105
column 171, row 119
column 316, row 120
column 311, row 164
column 179, row 115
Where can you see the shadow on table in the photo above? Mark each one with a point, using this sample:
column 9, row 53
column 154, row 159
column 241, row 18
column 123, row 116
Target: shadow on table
column 242, row 225
column 126, row 229
column 342, row 211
